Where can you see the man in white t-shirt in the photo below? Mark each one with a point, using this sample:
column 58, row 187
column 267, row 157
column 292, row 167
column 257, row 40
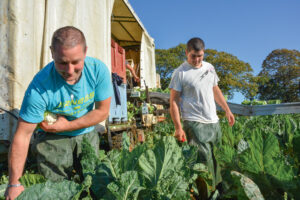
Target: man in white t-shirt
column 194, row 91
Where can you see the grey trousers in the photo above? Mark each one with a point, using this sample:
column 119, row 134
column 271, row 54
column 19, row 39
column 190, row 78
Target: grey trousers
column 57, row 156
column 205, row 137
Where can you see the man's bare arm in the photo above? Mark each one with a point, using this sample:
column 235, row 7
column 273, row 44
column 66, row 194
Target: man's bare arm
column 136, row 78
column 219, row 98
column 175, row 114
column 99, row 114
column 17, row 156
column 19, row 149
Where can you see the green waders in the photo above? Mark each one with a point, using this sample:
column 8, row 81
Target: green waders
column 205, row 137
column 58, row 155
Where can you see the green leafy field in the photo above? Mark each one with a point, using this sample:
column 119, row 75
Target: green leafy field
column 266, row 150
column 259, row 157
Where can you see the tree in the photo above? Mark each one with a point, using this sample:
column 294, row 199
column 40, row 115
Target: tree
column 167, row 60
column 281, row 75
column 235, row 75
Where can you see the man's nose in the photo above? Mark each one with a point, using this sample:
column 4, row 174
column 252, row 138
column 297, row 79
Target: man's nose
column 69, row 68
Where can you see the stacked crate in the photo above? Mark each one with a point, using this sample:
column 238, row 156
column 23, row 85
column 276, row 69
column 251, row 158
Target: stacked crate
column 118, row 113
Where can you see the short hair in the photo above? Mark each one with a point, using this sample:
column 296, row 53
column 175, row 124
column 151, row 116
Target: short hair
column 68, row 37
column 196, row 44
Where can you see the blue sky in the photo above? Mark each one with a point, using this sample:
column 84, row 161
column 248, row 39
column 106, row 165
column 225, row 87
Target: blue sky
column 248, row 29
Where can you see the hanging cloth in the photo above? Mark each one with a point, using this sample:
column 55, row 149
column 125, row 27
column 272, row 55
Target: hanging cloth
column 117, row 81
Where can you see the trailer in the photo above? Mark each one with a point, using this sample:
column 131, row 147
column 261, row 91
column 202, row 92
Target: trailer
column 113, row 31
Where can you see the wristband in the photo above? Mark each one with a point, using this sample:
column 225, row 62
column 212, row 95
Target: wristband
column 14, row 185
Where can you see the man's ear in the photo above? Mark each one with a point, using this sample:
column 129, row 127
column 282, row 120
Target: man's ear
column 85, row 50
column 186, row 52
column 52, row 51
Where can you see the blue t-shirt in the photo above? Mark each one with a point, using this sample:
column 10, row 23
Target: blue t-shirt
column 48, row 91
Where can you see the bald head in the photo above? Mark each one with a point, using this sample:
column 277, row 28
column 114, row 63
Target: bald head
column 68, row 37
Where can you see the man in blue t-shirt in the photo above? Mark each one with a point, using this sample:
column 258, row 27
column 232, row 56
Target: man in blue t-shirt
column 76, row 88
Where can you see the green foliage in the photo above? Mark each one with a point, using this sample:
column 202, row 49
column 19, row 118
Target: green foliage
column 261, row 148
column 159, row 169
column 167, row 60
column 258, row 102
column 3, row 185
column 234, row 74
column 265, row 164
column 132, row 111
column 89, row 159
column 125, row 141
column 2, row 191
column 28, row 179
column 280, row 74
column 167, row 90
column 157, row 172
column 296, row 146
column 246, row 188
column 53, row 190
column 128, row 187
column 277, row 101
column 3, row 179
column 254, row 102
column 261, row 151
column 165, row 128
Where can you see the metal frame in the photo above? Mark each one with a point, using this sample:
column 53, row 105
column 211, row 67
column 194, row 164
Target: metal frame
column 270, row 109
column 248, row 110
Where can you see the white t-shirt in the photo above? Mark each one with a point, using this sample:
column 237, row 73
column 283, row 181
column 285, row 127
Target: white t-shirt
column 196, row 86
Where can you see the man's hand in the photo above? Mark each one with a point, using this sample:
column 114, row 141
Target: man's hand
column 99, row 114
column 136, row 79
column 180, row 135
column 230, row 118
column 13, row 192
column 61, row 124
